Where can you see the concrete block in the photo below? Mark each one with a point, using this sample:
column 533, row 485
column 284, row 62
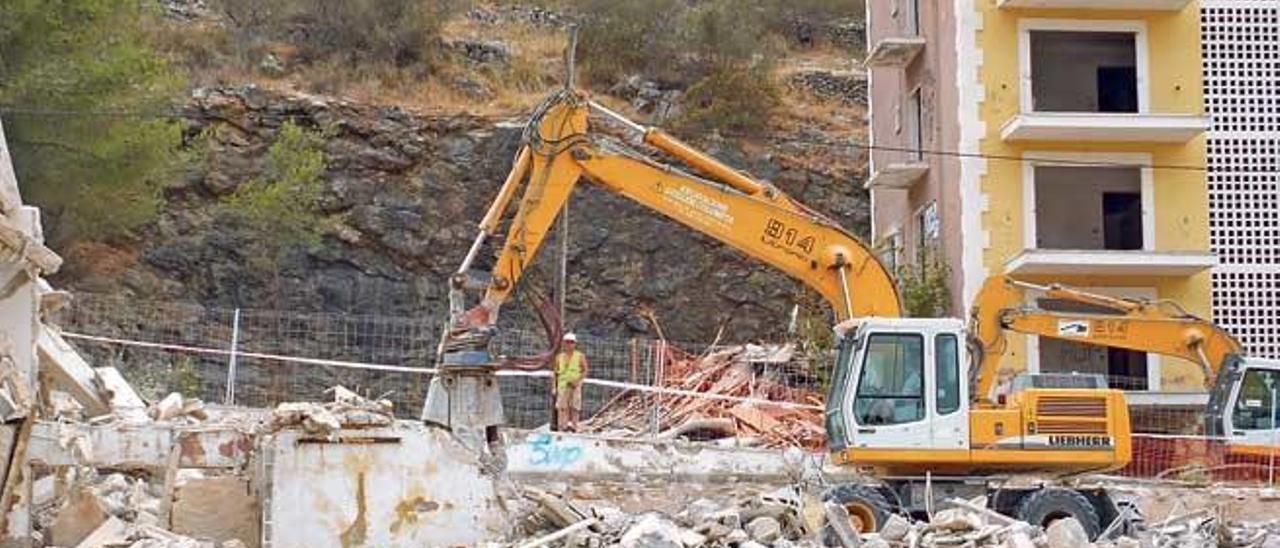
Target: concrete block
column 120, row 394
column 895, row 528
column 70, row 371
column 653, row 531
column 219, row 508
column 764, row 529
column 81, row 515
column 112, row 532
column 1067, row 533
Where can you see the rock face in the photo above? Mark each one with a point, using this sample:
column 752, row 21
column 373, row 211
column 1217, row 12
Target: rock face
column 403, row 195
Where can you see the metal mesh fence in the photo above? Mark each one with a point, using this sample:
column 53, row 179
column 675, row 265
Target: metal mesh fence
column 283, row 356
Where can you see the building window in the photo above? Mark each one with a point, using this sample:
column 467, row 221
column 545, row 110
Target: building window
column 892, row 249
column 1088, row 208
column 927, row 228
column 915, row 126
column 1084, row 71
column 912, row 17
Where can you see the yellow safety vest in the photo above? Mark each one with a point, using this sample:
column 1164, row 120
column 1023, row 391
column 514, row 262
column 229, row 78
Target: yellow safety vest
column 568, row 371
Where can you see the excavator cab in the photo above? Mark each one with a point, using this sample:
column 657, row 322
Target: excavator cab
column 900, row 385
column 902, row 402
column 1250, row 411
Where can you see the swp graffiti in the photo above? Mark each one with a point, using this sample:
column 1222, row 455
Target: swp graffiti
column 546, row 450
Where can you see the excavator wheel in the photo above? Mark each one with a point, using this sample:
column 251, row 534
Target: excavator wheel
column 1043, row 506
column 868, row 508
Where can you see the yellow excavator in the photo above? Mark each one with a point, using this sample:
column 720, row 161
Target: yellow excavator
column 909, row 398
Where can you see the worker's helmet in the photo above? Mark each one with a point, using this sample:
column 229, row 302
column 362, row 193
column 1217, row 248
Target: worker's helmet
column 570, row 337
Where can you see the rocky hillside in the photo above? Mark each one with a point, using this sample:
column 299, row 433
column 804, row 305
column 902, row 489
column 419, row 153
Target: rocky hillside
column 403, row 189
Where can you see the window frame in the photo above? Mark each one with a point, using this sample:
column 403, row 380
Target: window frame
column 1137, row 160
column 914, row 124
column 1138, row 28
column 937, row 375
column 855, row 394
column 1235, row 422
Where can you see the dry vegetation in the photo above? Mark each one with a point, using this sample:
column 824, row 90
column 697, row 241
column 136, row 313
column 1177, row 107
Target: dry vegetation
column 728, row 56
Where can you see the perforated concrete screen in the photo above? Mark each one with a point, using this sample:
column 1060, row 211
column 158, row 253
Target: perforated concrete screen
column 1242, row 94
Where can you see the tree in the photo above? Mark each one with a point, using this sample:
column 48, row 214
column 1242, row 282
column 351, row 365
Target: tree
column 281, row 205
column 85, row 99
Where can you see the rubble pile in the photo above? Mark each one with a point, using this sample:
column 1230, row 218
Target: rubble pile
column 110, row 510
column 772, row 519
column 746, row 371
column 176, row 407
column 347, row 410
column 791, row 517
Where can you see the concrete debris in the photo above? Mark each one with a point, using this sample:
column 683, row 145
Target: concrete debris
column 218, row 508
column 82, row 514
column 772, row 519
column 655, row 531
column 347, row 410
column 1066, row 533
column 118, row 510
column 895, row 529
column 176, row 407
column 764, row 529
column 112, row 532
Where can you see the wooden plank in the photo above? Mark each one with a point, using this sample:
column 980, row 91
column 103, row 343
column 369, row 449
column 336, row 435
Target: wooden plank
column 753, row 417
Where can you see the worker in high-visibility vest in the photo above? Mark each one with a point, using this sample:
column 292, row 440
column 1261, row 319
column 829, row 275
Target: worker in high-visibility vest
column 570, row 369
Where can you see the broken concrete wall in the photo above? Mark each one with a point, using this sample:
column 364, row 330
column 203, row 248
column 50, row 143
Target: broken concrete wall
column 218, row 508
column 400, row 486
column 543, row 455
column 23, row 259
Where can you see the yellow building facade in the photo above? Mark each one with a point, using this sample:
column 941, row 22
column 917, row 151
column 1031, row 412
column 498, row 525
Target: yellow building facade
column 1060, row 141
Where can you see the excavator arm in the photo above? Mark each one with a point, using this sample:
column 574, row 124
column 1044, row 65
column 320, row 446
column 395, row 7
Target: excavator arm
column 754, row 217
column 1160, row 327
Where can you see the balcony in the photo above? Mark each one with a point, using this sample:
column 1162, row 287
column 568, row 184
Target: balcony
column 896, row 51
column 1147, row 5
column 1106, row 262
column 897, row 176
column 1109, row 127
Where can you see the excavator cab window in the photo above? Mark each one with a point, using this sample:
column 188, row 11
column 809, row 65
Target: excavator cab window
column 946, row 350
column 891, row 386
column 1255, row 407
column 837, row 435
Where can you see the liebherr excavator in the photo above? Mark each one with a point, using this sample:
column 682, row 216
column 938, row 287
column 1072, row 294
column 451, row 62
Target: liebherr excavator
column 909, row 397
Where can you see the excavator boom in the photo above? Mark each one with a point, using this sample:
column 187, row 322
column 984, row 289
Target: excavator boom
column 1159, row 327
column 752, row 216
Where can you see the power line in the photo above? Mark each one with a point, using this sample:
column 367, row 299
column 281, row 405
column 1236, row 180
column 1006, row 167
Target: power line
column 851, row 144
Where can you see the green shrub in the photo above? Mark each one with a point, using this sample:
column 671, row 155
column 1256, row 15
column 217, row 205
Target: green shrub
column 623, row 37
column 732, row 99
column 401, row 33
column 923, row 286
column 281, row 205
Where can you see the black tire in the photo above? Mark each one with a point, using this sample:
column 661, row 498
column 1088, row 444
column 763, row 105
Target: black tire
column 868, row 508
column 1052, row 503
